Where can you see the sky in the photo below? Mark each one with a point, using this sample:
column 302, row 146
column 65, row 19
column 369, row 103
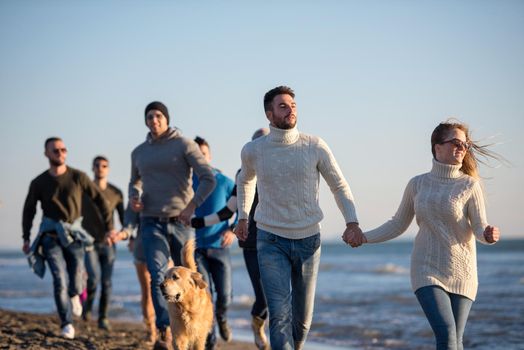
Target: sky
column 372, row 78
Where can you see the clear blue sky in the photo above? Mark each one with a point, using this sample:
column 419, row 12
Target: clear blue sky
column 373, row 78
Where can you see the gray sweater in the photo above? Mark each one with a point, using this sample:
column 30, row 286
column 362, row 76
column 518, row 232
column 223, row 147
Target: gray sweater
column 161, row 172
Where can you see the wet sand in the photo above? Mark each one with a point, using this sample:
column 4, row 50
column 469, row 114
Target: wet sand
column 19, row 330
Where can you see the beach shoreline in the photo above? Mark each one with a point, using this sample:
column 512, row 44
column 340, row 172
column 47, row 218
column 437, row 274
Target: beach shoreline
column 42, row 331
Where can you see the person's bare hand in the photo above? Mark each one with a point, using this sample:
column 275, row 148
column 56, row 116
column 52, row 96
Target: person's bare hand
column 353, row 235
column 228, row 237
column 136, row 205
column 114, row 236
column 241, row 229
column 186, row 214
column 491, row 234
column 26, row 248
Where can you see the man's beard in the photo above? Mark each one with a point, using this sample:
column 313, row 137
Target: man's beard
column 286, row 125
column 56, row 162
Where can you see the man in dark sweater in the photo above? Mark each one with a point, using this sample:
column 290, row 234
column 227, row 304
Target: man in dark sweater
column 161, row 190
column 100, row 256
column 61, row 238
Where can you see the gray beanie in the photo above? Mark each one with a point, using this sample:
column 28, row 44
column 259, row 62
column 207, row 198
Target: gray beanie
column 159, row 106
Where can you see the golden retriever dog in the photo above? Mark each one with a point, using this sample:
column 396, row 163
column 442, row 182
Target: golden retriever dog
column 189, row 302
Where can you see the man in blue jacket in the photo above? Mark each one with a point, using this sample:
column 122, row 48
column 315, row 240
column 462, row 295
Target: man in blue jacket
column 212, row 247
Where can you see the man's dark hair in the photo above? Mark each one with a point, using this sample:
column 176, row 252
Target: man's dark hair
column 97, row 158
column 51, row 139
column 201, row 141
column 279, row 90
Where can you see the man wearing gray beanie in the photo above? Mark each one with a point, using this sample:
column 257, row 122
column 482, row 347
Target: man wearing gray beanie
column 161, row 190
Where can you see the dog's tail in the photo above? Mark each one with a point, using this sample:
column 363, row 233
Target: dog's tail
column 188, row 255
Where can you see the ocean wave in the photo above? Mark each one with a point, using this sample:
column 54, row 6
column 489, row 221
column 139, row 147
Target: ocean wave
column 12, row 294
column 391, row 268
column 130, row 298
column 9, row 262
column 243, row 300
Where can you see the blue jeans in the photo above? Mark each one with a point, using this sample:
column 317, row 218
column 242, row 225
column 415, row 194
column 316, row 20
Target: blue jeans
column 99, row 265
column 447, row 314
column 289, row 270
column 67, row 268
column 162, row 240
column 259, row 307
column 138, row 250
column 215, row 266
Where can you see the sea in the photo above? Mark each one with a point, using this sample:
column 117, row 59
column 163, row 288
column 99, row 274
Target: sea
column 363, row 298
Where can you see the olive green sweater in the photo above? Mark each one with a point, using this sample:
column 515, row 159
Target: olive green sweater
column 60, row 198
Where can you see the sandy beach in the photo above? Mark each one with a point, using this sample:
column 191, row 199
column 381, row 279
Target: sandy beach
column 19, row 330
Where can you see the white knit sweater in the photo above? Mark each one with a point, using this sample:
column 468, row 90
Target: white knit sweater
column 286, row 165
column 450, row 213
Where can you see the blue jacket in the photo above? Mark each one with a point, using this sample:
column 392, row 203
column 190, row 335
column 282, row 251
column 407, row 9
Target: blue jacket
column 211, row 237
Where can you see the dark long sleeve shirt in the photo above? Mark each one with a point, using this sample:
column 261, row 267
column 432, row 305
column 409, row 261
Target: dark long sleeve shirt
column 93, row 220
column 60, row 198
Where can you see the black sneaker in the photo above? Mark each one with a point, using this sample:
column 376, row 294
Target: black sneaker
column 224, row 330
column 86, row 315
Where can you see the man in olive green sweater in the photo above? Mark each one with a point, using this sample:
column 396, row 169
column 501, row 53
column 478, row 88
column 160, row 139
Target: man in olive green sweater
column 101, row 255
column 61, row 236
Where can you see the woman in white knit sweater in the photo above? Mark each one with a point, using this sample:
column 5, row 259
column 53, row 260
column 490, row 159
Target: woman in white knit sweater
column 449, row 208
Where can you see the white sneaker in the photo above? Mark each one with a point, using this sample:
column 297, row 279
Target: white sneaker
column 76, row 306
column 68, row 331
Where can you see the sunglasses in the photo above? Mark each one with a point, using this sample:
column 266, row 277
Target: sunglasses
column 458, row 143
column 57, row 151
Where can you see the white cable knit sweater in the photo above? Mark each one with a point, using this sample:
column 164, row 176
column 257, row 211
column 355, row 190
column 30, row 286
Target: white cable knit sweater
column 450, row 213
column 286, row 165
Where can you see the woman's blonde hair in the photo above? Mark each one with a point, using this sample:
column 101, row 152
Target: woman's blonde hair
column 476, row 150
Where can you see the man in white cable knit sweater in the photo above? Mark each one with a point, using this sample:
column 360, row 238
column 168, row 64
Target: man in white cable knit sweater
column 286, row 166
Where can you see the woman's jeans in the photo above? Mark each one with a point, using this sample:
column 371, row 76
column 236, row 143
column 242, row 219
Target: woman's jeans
column 447, row 314
column 161, row 240
column 67, row 267
column 289, row 269
column 100, row 259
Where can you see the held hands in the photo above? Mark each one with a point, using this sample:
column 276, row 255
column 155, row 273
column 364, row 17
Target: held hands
column 228, row 237
column 491, row 234
column 114, row 236
column 353, row 235
column 241, row 229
